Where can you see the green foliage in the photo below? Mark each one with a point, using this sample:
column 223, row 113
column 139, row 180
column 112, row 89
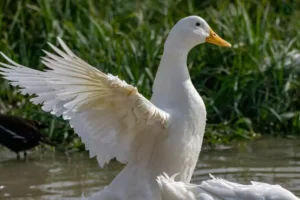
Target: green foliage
column 252, row 88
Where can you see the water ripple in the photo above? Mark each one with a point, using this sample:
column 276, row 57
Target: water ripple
column 48, row 176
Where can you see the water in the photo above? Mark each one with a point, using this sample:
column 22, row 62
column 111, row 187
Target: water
column 55, row 175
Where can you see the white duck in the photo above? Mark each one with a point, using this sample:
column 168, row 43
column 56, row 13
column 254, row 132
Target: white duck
column 219, row 189
column 114, row 120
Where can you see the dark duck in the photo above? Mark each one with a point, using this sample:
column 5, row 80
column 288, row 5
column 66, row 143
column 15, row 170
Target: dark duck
column 19, row 134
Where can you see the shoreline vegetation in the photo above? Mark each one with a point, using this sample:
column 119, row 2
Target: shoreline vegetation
column 250, row 90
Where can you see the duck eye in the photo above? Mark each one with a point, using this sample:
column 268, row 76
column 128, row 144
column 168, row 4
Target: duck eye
column 198, row 24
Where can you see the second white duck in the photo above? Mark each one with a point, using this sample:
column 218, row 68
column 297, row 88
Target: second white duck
column 220, row 189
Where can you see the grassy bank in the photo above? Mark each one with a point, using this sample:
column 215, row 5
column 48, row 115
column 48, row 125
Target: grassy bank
column 251, row 89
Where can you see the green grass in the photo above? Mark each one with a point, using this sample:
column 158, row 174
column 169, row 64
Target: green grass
column 249, row 90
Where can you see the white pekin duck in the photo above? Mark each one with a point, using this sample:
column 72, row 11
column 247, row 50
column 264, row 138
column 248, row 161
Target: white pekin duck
column 220, row 189
column 115, row 121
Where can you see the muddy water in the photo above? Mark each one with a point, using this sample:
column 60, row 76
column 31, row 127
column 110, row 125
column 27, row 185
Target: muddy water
column 50, row 175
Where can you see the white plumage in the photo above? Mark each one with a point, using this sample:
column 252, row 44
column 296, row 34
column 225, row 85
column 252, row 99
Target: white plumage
column 115, row 121
column 220, row 189
column 86, row 96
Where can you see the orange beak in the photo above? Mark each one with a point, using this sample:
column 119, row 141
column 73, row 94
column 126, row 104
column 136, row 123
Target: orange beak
column 217, row 40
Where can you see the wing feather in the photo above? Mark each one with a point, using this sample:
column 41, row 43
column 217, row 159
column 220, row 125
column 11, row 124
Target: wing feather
column 106, row 112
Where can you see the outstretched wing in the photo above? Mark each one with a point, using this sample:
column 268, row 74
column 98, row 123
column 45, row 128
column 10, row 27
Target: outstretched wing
column 107, row 113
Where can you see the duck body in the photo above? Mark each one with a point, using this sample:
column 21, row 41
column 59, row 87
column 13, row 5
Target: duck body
column 220, row 189
column 175, row 149
column 19, row 134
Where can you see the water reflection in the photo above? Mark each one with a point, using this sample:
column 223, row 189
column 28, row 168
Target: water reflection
column 54, row 175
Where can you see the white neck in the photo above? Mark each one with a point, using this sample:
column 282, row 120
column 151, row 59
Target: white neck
column 172, row 71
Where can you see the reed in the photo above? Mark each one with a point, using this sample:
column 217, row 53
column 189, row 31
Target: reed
column 250, row 90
